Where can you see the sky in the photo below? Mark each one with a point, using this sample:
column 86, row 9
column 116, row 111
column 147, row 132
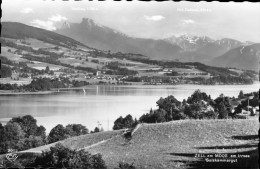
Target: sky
column 157, row 20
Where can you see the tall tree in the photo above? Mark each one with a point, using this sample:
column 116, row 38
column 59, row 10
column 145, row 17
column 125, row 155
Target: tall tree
column 241, row 94
column 47, row 69
column 223, row 113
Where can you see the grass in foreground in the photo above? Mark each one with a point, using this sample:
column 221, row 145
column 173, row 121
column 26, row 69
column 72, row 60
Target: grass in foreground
column 174, row 144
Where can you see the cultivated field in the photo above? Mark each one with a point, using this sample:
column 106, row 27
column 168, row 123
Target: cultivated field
column 11, row 56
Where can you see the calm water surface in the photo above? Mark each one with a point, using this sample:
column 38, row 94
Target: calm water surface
column 102, row 103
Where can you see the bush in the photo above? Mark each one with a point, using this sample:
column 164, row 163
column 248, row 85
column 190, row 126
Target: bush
column 62, row 157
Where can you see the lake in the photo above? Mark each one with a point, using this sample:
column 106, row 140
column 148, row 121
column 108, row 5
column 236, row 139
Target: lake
column 103, row 104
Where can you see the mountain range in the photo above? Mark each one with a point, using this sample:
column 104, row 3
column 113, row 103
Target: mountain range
column 105, row 38
column 186, row 48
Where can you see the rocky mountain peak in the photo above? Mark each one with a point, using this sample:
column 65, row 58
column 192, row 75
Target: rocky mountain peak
column 65, row 25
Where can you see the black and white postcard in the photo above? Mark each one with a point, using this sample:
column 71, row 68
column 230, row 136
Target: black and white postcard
column 129, row 85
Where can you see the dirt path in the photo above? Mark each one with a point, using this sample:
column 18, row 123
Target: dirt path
column 96, row 144
column 136, row 128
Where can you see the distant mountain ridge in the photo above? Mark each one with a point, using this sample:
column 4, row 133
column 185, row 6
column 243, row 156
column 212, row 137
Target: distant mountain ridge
column 17, row 30
column 202, row 49
column 185, row 48
column 243, row 57
column 102, row 37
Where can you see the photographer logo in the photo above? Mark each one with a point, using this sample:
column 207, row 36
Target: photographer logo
column 11, row 156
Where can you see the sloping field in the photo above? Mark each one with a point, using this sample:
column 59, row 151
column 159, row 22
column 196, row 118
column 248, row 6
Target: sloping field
column 11, row 56
column 171, row 145
column 80, row 142
column 174, row 144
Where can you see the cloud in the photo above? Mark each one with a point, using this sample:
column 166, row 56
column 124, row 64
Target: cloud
column 188, row 21
column 43, row 24
column 27, row 10
column 154, row 17
column 57, row 18
column 78, row 9
column 50, row 23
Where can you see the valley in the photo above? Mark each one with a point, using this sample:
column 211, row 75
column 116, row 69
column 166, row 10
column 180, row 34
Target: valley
column 45, row 54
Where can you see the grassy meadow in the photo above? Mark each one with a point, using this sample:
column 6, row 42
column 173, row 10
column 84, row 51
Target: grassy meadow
column 174, row 144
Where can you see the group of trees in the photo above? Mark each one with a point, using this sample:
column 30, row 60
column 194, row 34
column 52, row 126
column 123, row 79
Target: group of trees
column 60, row 132
column 223, row 80
column 44, row 84
column 115, row 69
column 21, row 133
column 198, row 106
column 122, row 123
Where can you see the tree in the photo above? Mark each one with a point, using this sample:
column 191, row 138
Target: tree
column 47, row 69
column 62, row 157
column 241, row 94
column 13, row 131
column 168, row 103
column 1, row 132
column 27, row 123
column 41, row 131
column 223, row 113
column 197, row 96
column 128, row 121
column 31, row 142
column 122, row 123
column 58, row 133
column 76, row 129
column 22, row 133
column 96, row 130
column 159, row 115
column 11, row 134
column 169, row 115
column 119, row 123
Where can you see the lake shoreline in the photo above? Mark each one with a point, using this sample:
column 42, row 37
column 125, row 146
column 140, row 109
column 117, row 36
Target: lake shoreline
column 7, row 92
column 54, row 90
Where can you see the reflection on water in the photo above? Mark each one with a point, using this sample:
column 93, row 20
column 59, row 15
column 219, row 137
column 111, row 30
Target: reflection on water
column 101, row 103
